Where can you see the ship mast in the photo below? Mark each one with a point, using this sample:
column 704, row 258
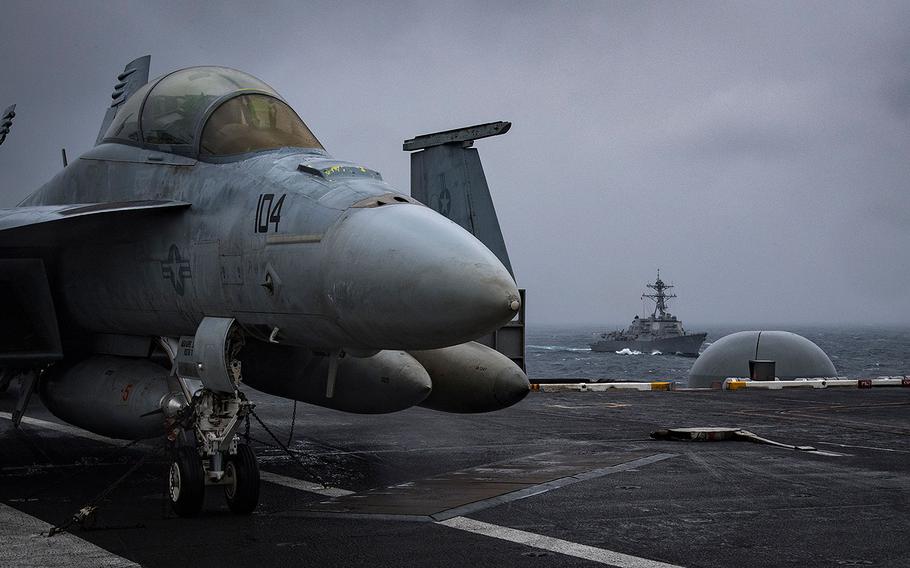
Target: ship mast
column 660, row 296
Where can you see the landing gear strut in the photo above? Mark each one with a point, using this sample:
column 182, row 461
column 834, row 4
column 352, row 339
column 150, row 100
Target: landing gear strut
column 207, row 449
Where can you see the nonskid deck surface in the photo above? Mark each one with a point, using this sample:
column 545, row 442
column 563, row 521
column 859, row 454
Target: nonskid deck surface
column 562, row 479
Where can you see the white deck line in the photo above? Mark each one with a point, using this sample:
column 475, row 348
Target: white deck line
column 592, row 553
column 28, row 550
column 64, row 429
column 302, row 485
column 275, row 478
column 25, row 545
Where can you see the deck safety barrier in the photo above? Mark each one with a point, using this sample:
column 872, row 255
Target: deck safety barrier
column 734, row 383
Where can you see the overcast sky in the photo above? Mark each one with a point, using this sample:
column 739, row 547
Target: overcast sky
column 758, row 153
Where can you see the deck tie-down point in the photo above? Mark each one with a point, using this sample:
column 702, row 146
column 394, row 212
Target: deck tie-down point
column 727, row 434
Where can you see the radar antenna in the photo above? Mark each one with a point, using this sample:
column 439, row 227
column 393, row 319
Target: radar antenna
column 660, row 297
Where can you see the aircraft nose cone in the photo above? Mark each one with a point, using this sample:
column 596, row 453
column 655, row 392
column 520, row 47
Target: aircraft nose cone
column 405, row 277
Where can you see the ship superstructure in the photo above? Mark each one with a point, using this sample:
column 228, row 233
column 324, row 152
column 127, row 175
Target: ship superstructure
column 661, row 331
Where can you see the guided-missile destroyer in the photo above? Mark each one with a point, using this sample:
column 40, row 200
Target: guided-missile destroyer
column 661, row 331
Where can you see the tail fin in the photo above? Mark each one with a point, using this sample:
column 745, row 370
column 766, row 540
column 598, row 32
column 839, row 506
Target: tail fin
column 6, row 121
column 133, row 77
column 446, row 175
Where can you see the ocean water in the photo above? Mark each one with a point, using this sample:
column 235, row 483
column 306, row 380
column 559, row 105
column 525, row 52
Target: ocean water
column 562, row 352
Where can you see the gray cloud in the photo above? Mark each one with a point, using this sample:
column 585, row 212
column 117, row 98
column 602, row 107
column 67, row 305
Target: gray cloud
column 756, row 152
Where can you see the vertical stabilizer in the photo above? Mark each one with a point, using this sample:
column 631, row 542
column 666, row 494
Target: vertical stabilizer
column 447, row 176
column 6, row 121
column 134, row 76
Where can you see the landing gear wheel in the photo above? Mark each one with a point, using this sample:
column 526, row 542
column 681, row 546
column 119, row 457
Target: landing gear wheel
column 186, row 483
column 241, row 474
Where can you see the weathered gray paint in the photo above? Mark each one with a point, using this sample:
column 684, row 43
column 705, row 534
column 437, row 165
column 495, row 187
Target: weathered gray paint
column 510, row 338
column 119, row 286
column 449, row 178
column 388, row 381
column 471, row 378
column 159, row 241
column 465, row 135
column 118, row 397
column 133, row 76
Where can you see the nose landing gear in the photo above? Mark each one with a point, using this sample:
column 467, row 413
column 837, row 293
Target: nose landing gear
column 207, row 449
column 187, row 480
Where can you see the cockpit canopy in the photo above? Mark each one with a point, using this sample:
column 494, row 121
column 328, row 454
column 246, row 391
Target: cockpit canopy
column 209, row 112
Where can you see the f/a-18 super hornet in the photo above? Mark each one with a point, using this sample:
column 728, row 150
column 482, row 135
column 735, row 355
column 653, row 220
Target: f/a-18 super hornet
column 208, row 240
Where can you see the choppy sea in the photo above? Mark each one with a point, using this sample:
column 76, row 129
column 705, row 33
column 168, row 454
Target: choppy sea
column 562, row 352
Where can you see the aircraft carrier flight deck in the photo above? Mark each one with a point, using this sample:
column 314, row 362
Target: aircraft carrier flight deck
column 561, row 479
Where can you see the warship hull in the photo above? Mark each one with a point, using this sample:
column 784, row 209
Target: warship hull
column 682, row 345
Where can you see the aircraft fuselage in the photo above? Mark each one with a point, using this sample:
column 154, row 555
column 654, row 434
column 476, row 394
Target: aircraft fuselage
column 324, row 251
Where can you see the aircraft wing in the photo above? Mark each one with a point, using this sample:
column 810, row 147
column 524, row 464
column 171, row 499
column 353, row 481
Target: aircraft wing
column 52, row 225
column 28, row 235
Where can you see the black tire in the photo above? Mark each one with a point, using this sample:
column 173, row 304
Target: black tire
column 241, row 473
column 186, row 483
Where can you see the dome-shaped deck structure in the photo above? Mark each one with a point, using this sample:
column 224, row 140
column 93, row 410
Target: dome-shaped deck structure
column 794, row 357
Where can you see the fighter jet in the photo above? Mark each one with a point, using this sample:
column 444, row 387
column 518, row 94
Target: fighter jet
column 209, row 241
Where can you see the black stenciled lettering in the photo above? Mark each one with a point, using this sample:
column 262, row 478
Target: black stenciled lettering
column 275, row 216
column 268, row 211
column 264, row 212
